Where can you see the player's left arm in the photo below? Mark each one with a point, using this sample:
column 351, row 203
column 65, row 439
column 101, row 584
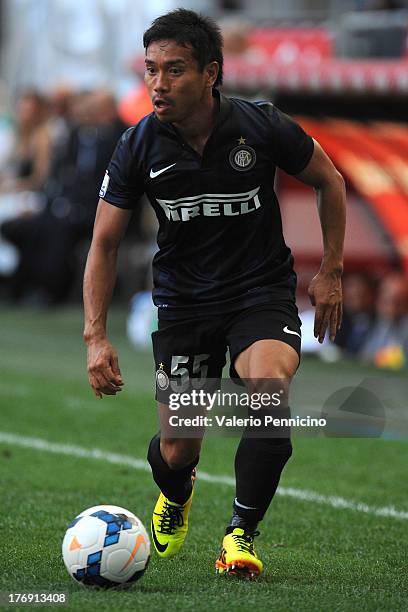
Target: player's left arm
column 325, row 289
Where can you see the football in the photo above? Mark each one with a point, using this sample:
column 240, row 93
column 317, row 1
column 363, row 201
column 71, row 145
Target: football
column 106, row 546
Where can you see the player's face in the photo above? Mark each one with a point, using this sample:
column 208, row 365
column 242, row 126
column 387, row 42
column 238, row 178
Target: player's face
column 175, row 82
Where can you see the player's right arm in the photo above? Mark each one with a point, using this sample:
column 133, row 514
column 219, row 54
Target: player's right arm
column 99, row 280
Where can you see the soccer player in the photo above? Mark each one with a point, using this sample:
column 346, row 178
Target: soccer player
column 223, row 275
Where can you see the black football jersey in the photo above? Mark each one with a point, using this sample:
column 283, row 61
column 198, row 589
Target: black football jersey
column 220, row 240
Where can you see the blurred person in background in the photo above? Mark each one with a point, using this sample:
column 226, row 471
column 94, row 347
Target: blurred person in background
column 386, row 344
column 22, row 175
column 47, row 241
column 79, row 166
column 359, row 294
column 27, row 167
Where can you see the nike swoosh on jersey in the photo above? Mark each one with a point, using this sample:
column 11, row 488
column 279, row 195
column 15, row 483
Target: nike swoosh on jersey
column 153, row 174
column 160, row 547
column 290, row 331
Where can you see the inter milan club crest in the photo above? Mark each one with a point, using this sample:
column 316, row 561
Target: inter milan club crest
column 162, row 380
column 242, row 157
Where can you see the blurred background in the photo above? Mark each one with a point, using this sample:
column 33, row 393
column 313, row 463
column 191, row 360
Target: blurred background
column 71, row 81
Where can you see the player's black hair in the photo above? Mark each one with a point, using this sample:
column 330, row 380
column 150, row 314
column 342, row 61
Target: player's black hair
column 193, row 29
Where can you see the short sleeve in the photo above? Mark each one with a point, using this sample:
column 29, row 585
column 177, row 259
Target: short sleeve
column 292, row 148
column 123, row 184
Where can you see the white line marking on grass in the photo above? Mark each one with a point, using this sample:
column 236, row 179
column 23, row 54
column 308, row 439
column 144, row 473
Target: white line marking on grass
column 73, row 451
column 139, row 464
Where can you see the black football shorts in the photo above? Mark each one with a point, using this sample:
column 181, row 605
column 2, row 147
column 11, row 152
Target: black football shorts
column 193, row 350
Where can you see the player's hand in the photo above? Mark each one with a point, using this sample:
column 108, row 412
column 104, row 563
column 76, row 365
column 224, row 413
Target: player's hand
column 103, row 368
column 326, row 295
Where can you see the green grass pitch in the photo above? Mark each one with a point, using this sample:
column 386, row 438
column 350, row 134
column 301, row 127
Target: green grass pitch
column 316, row 557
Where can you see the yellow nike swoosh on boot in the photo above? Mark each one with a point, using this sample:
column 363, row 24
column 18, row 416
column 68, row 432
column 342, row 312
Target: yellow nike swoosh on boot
column 169, row 525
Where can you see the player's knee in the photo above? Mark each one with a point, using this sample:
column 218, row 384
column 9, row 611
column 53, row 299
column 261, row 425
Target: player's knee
column 274, row 371
column 273, row 382
column 178, row 454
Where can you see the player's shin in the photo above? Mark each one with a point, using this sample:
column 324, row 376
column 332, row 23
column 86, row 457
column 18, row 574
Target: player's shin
column 175, row 484
column 258, row 466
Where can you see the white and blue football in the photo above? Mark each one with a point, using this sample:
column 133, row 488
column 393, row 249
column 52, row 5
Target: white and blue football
column 106, row 546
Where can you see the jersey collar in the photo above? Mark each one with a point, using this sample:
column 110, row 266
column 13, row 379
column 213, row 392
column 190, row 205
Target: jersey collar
column 225, row 107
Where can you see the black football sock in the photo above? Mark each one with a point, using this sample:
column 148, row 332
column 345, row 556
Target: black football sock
column 249, row 526
column 176, row 485
column 258, row 466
